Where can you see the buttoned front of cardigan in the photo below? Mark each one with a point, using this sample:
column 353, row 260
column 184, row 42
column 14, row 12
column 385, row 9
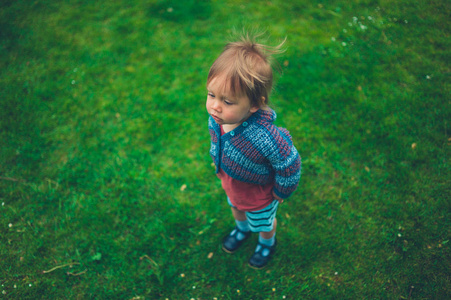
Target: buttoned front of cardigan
column 257, row 152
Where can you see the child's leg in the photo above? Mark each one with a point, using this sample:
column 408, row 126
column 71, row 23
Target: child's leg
column 270, row 234
column 241, row 222
column 240, row 218
column 267, row 239
column 266, row 223
column 238, row 214
column 241, row 232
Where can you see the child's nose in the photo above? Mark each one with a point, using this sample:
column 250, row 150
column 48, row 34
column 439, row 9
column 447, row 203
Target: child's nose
column 216, row 106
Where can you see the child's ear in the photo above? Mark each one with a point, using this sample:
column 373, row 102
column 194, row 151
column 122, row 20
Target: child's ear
column 261, row 104
column 254, row 109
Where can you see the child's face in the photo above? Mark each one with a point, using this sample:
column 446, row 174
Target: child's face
column 225, row 109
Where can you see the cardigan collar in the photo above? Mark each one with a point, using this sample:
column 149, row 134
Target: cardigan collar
column 261, row 116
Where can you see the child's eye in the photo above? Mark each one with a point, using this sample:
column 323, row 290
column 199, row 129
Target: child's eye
column 211, row 95
column 227, row 102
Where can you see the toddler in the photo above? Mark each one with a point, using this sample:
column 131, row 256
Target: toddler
column 255, row 160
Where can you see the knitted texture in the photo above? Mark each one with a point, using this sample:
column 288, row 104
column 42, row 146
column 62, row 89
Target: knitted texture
column 257, row 152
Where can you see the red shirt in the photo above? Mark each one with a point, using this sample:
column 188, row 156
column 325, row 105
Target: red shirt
column 246, row 196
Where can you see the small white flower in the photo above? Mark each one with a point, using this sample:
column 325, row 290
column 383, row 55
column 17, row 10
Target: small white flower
column 15, row 286
column 370, row 18
column 399, row 235
column 405, row 21
column 355, row 19
column 344, row 30
column 170, row 9
column 428, row 77
column 336, row 273
column 4, row 292
column 3, row 203
column 10, row 225
column 333, row 39
column 194, row 287
column 284, row 297
column 73, row 81
column 30, row 285
column 363, row 27
column 344, row 44
column 350, row 24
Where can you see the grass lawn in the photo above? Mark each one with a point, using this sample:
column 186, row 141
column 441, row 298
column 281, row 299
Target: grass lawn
column 107, row 189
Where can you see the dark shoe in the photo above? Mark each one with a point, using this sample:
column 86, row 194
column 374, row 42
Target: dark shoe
column 259, row 261
column 231, row 242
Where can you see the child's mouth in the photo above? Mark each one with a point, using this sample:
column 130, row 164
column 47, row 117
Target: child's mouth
column 216, row 118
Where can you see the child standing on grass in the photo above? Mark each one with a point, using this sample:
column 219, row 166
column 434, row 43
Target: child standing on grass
column 256, row 161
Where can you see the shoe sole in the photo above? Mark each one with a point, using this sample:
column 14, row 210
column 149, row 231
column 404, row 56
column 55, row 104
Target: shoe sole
column 257, row 268
column 228, row 251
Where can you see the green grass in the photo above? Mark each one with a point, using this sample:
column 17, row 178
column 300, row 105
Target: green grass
column 104, row 151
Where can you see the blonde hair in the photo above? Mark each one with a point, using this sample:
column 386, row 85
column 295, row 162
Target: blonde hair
column 245, row 68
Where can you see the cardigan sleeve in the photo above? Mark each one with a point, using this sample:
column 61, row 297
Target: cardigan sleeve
column 286, row 163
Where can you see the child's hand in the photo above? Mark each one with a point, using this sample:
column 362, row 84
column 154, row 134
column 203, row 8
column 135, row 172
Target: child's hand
column 277, row 197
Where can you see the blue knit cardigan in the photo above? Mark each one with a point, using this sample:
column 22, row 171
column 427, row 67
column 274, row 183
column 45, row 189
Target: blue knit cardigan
column 257, row 152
